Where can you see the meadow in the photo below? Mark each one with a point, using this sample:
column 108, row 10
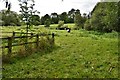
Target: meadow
column 78, row 54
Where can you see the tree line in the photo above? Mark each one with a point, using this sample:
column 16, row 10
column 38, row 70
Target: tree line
column 104, row 17
column 11, row 18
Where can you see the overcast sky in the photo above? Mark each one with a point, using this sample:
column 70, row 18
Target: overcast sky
column 58, row 6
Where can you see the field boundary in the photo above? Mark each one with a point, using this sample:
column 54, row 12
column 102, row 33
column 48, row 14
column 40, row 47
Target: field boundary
column 12, row 38
column 14, row 33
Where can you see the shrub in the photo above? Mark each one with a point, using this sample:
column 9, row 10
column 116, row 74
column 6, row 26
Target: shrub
column 12, row 24
column 60, row 24
column 45, row 43
column 47, row 23
column 2, row 23
column 87, row 25
column 76, row 28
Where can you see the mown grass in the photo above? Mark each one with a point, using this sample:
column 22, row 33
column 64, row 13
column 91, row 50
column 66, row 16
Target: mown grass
column 78, row 54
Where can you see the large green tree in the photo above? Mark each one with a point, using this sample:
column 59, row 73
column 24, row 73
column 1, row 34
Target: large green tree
column 27, row 12
column 104, row 17
column 119, row 16
column 36, row 20
column 9, row 18
column 63, row 17
column 111, row 17
column 45, row 18
column 78, row 20
column 54, row 18
column 71, row 15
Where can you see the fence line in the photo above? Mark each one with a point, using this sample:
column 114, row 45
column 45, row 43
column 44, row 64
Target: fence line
column 14, row 33
column 10, row 40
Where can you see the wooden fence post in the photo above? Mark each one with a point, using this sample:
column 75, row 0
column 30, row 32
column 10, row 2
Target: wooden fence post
column 37, row 41
column 13, row 33
column 9, row 45
column 53, row 37
column 31, row 34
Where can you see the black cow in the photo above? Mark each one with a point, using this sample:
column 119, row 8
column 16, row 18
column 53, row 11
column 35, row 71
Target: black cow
column 68, row 30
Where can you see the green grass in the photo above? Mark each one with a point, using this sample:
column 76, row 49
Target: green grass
column 34, row 29
column 15, row 49
column 78, row 54
column 70, row 25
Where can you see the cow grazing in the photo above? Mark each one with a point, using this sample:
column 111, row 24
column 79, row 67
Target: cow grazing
column 68, row 30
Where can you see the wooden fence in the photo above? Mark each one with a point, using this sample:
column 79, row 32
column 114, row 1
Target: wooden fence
column 10, row 40
column 14, row 33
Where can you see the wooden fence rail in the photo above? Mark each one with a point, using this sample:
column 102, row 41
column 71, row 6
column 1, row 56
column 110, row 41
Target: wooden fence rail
column 14, row 33
column 10, row 40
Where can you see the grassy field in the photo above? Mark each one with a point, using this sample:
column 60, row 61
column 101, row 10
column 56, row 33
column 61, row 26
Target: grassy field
column 78, row 54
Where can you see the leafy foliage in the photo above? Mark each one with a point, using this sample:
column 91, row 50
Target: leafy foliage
column 9, row 18
column 44, row 18
column 27, row 12
column 54, row 18
column 35, row 20
column 119, row 15
column 63, row 17
column 104, row 17
column 87, row 25
column 79, row 20
column 60, row 24
column 67, row 17
column 47, row 23
column 71, row 15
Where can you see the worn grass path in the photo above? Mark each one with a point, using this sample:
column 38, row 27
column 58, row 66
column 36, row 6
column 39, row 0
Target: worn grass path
column 76, row 56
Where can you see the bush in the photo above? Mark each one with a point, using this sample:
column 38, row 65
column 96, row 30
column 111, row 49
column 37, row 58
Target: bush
column 47, row 23
column 104, row 17
column 12, row 24
column 45, row 44
column 2, row 23
column 87, row 25
column 60, row 24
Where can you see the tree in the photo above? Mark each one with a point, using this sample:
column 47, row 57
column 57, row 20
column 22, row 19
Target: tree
column 84, row 15
column 79, row 21
column 104, row 17
column 96, row 22
column 47, row 23
column 63, row 17
column 71, row 15
column 111, row 17
column 10, row 18
column 45, row 18
column 36, row 20
column 118, row 16
column 27, row 12
column 42, row 20
column 54, row 18
column 77, row 11
column 87, row 25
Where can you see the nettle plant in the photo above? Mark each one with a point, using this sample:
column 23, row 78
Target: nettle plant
column 27, row 12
